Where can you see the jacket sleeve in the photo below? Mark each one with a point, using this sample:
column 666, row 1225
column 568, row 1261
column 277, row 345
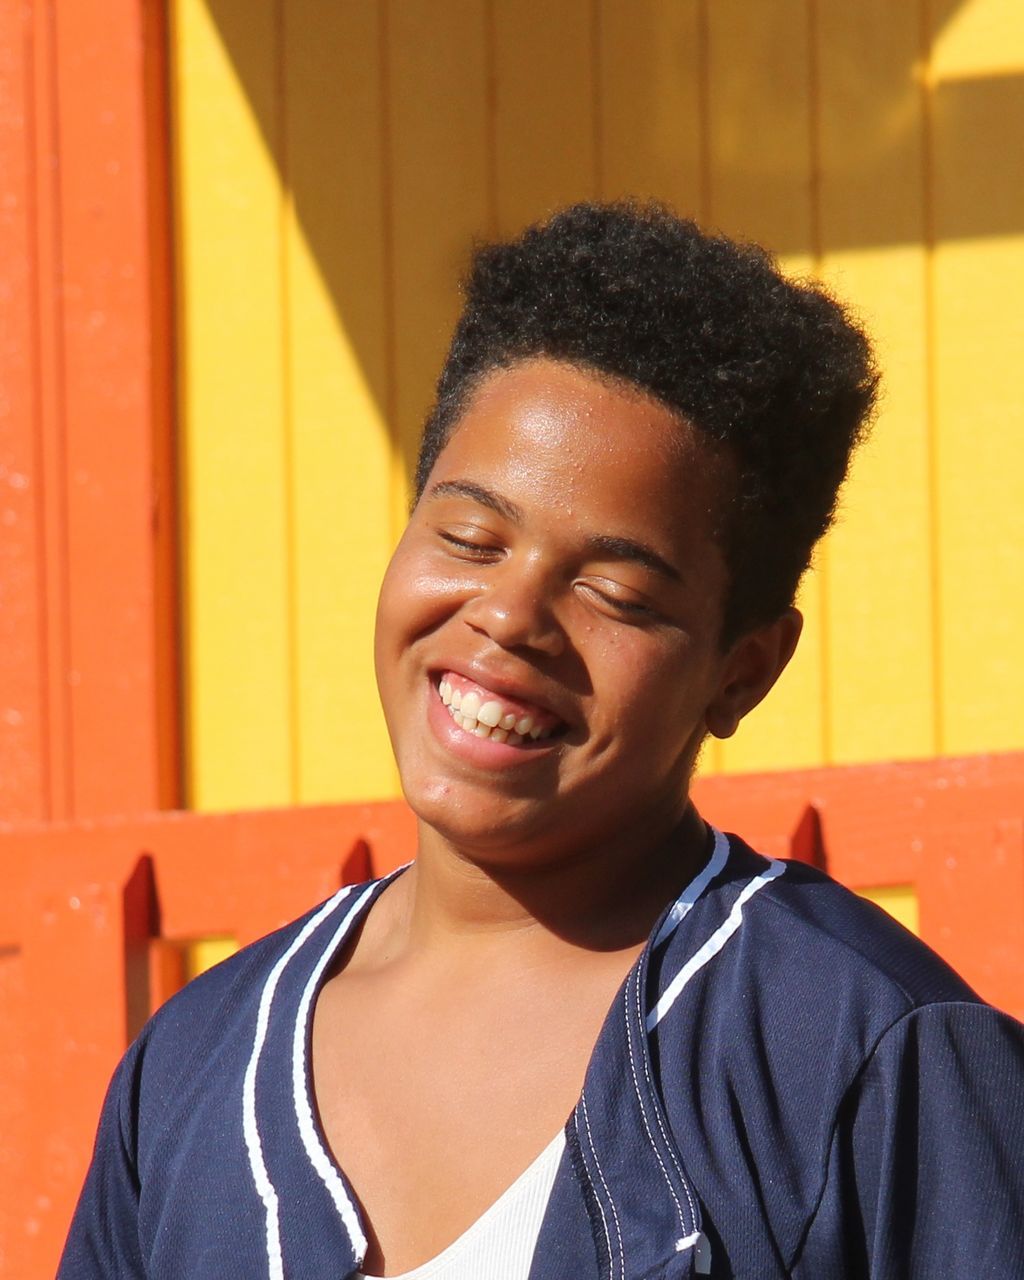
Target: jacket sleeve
column 926, row 1169
column 104, row 1238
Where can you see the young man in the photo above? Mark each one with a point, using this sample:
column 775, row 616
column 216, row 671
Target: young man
column 583, row 1035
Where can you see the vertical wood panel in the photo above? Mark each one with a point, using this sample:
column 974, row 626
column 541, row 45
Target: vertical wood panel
column 761, row 188
column 338, row 362
column 650, row 102
column 110, row 296
column 759, row 103
column 231, row 395
column 977, row 163
column 24, row 782
column 153, row 20
column 24, row 789
column 437, row 155
column 87, row 722
column 878, row 596
column 51, row 450
column 545, row 127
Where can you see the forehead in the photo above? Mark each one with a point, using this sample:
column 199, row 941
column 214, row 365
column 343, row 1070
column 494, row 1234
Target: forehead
column 542, row 396
column 567, row 436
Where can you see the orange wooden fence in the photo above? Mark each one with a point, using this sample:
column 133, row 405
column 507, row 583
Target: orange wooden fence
column 89, row 917
column 94, row 917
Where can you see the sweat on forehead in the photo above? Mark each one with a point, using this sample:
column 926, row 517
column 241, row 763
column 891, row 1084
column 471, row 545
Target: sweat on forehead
column 771, row 372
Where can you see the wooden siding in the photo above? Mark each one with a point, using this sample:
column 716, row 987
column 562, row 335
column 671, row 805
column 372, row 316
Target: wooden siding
column 333, row 164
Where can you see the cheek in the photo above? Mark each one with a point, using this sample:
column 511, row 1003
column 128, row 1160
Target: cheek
column 398, row 607
column 387, row 600
column 623, row 672
column 414, row 599
column 647, row 685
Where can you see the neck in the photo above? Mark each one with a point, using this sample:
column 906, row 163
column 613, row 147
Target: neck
column 604, row 899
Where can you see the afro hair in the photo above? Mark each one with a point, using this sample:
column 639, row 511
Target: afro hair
column 771, row 372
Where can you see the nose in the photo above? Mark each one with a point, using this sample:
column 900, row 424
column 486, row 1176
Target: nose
column 514, row 608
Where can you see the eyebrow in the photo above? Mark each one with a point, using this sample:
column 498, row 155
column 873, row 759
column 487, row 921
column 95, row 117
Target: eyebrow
column 626, row 549
column 477, row 493
column 606, row 545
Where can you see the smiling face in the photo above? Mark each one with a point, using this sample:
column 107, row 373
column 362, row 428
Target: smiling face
column 547, row 636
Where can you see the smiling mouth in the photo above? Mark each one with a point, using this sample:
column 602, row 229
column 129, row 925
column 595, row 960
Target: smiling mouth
column 487, row 715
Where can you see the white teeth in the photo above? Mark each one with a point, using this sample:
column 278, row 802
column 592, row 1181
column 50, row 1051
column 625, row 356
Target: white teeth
column 490, row 714
column 487, row 719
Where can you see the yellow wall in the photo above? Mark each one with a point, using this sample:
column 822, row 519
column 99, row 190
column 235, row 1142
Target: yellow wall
column 333, row 162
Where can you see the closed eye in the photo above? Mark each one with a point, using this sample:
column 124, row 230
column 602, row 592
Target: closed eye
column 623, row 606
column 467, row 546
column 634, row 607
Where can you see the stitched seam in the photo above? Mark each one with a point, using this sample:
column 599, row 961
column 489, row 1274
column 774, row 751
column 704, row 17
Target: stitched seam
column 611, row 1202
column 591, row 1199
column 657, row 1117
column 643, row 1116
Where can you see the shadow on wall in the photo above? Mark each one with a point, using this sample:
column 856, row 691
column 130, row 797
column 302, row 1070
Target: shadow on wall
column 401, row 134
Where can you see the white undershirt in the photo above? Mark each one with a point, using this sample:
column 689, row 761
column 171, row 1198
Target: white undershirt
column 501, row 1243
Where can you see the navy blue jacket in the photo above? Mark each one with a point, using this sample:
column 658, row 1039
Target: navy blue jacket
column 787, row 1084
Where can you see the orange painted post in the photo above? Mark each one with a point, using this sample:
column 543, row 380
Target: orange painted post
column 74, row 946
column 117, row 406
column 87, row 717
column 24, row 781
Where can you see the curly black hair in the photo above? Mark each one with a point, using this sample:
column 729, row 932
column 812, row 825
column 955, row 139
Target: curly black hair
column 773, row 373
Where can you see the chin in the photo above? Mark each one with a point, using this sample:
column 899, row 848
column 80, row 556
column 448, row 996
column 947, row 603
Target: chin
column 482, row 828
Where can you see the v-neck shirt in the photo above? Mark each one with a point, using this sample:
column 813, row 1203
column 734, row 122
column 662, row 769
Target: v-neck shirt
column 500, row 1244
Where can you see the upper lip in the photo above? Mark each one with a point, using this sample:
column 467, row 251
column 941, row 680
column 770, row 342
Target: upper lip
column 505, row 685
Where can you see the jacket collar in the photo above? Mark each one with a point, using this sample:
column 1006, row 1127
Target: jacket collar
column 622, row 1196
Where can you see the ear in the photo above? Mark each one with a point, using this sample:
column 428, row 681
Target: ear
column 751, row 667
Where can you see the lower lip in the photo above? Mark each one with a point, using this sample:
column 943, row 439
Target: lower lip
column 484, row 752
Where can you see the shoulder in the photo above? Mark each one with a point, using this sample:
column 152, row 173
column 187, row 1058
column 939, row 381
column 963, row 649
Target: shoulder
column 784, row 1003
column 822, row 970
column 792, row 974
column 824, row 942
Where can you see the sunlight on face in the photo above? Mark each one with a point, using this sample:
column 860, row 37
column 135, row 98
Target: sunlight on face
column 560, row 567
